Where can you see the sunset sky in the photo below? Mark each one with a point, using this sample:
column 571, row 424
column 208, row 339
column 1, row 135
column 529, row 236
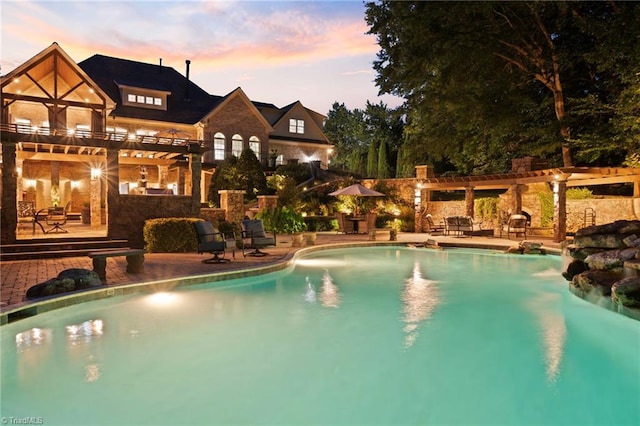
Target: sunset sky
column 277, row 51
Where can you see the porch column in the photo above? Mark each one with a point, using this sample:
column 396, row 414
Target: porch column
column 55, row 184
column 8, row 213
column 113, row 189
column 515, row 203
column 181, row 181
column 20, row 187
column 469, row 199
column 163, row 172
column 559, row 211
column 195, row 161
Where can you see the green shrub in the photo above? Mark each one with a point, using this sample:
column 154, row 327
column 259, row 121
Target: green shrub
column 546, row 207
column 486, row 208
column 320, row 223
column 579, row 194
column 170, row 235
column 282, row 220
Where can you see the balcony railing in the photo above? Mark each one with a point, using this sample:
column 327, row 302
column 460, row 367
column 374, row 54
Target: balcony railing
column 27, row 129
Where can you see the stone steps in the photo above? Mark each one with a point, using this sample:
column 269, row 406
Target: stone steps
column 37, row 249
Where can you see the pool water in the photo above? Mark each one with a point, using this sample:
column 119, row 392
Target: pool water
column 355, row 336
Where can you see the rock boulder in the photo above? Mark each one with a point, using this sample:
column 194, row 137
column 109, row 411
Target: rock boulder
column 626, row 292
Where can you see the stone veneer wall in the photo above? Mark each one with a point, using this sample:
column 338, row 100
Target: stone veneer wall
column 136, row 209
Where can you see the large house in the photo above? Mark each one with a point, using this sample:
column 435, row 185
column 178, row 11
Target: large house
column 136, row 128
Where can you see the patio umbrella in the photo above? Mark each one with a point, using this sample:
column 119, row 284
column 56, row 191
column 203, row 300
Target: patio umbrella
column 356, row 190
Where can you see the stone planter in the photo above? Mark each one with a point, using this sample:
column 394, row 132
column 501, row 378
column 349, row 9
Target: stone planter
column 297, row 240
column 310, row 238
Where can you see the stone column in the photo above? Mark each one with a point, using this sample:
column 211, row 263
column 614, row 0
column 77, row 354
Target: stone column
column 19, row 184
column 232, row 201
column 469, row 200
column 55, row 184
column 424, row 172
column 163, row 171
column 559, row 211
column 195, row 160
column 181, row 181
column 112, row 178
column 267, row 202
column 8, row 213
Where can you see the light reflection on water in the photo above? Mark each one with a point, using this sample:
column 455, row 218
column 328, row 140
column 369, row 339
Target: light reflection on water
column 420, row 298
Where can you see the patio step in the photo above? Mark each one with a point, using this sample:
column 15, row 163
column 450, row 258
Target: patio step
column 37, row 249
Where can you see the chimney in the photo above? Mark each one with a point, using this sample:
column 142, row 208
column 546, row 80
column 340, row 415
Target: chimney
column 160, row 64
column 186, row 89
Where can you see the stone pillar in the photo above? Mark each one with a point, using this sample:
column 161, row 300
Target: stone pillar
column 163, row 172
column 56, row 196
column 195, row 161
column 94, row 202
column 112, row 179
column 267, row 202
column 469, row 200
column 559, row 211
column 232, row 201
column 19, row 184
column 424, row 172
column 8, row 213
column 181, row 181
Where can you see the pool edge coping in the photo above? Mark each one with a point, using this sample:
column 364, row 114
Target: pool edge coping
column 29, row 309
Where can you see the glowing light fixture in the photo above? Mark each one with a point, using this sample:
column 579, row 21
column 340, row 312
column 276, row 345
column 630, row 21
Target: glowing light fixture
column 95, row 173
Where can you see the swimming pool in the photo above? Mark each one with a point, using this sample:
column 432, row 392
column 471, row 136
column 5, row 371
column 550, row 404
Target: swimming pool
column 355, row 336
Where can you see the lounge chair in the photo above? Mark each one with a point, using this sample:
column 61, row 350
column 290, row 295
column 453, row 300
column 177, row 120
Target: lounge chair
column 432, row 227
column 210, row 240
column 255, row 237
column 345, row 226
column 517, row 224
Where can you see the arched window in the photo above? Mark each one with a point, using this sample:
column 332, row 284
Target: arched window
column 236, row 145
column 254, row 145
column 219, row 142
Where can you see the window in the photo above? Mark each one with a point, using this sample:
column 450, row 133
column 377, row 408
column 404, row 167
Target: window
column 140, row 99
column 236, row 145
column 296, row 126
column 219, row 142
column 148, row 100
column 157, row 101
column 131, row 97
column 254, row 145
column 280, row 160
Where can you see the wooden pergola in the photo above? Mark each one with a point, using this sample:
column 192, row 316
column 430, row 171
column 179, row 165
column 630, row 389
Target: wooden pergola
column 560, row 178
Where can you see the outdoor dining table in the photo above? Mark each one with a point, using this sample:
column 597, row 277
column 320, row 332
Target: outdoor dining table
column 356, row 220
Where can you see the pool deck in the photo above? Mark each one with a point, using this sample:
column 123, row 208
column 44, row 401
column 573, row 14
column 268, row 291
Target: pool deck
column 18, row 276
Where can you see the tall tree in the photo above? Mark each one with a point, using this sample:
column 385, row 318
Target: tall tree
column 372, row 160
column 346, row 129
column 490, row 79
column 383, row 161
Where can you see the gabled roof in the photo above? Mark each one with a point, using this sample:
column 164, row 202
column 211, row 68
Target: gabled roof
column 58, row 77
column 187, row 103
column 238, row 93
column 314, row 118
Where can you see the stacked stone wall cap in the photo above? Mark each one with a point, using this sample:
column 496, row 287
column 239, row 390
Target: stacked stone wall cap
column 626, row 292
column 632, row 241
column 617, row 227
column 611, row 259
column 529, row 245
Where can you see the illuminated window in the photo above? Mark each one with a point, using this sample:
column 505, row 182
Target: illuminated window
column 236, row 145
column 148, row 100
column 218, row 146
column 131, row 97
column 157, row 101
column 140, row 99
column 254, row 145
column 296, row 126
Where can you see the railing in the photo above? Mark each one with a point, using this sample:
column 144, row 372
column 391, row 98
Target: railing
column 113, row 136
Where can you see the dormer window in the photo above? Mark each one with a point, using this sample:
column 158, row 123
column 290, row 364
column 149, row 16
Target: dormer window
column 143, row 97
column 296, row 126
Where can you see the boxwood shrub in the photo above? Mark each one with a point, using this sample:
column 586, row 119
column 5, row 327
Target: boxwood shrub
column 170, row 235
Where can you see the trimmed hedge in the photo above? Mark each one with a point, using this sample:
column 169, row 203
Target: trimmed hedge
column 170, row 235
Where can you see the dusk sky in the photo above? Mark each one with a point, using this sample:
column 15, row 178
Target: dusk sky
column 316, row 52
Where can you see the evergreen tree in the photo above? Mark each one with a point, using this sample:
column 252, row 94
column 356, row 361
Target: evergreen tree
column 383, row 162
column 372, row 160
column 253, row 179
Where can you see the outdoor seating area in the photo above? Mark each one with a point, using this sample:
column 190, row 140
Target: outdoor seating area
column 356, row 224
column 461, row 226
column 517, row 225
